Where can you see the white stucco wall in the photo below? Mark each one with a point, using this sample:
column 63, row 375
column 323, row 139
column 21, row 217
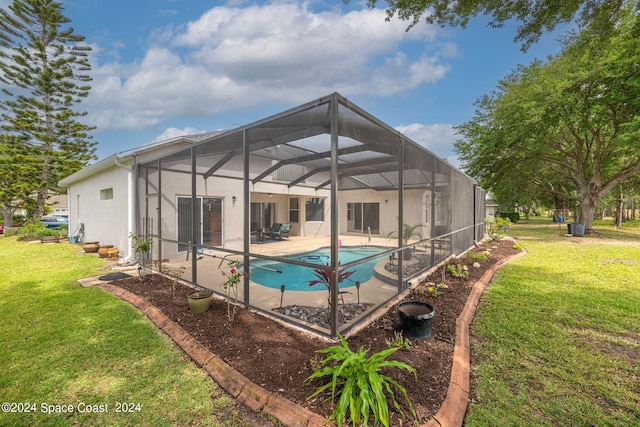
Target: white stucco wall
column 105, row 221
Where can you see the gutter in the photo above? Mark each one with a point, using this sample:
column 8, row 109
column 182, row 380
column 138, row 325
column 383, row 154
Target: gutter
column 130, row 206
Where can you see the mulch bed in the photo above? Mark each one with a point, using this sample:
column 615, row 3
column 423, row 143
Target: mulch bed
column 280, row 358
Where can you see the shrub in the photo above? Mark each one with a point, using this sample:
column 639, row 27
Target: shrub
column 498, row 228
column 36, row 231
column 458, row 270
column 511, row 216
column 357, row 382
column 478, row 256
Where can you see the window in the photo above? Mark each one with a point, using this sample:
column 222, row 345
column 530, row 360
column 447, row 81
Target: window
column 106, row 194
column 314, row 209
column 294, row 210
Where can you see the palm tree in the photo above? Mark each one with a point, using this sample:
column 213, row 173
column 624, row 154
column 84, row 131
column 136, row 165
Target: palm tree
column 408, row 231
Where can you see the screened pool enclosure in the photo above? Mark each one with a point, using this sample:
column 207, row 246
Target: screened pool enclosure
column 331, row 212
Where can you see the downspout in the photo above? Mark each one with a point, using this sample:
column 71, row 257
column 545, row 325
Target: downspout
column 130, row 207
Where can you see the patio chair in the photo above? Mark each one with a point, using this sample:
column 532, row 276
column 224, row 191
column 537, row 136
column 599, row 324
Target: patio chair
column 199, row 253
column 281, row 232
column 275, row 228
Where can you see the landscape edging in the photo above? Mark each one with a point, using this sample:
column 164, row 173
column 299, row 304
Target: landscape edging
column 450, row 414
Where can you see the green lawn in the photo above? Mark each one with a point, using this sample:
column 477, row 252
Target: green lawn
column 559, row 332
column 61, row 345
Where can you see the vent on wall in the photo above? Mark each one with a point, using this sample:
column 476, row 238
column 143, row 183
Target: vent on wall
column 106, row 194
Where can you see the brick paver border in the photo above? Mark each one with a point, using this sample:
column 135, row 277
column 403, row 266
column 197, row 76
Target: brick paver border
column 290, row 414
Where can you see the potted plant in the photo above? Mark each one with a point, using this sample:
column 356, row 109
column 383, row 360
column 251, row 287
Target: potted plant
column 408, row 231
column 200, row 300
column 50, row 235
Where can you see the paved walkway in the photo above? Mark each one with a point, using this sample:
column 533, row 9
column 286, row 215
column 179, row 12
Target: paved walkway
column 290, row 414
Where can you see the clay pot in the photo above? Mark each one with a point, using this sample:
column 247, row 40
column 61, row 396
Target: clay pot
column 91, row 247
column 102, row 250
column 199, row 301
column 113, row 253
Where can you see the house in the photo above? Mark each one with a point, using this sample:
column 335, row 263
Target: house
column 340, row 177
column 102, row 197
column 491, row 209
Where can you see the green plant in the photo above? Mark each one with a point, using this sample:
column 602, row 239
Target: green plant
column 435, row 290
column 398, row 341
column 173, row 272
column 498, row 228
column 511, row 216
column 478, row 256
column 458, row 270
column 230, row 286
column 408, row 231
column 141, row 245
column 358, row 384
column 518, row 247
column 36, row 231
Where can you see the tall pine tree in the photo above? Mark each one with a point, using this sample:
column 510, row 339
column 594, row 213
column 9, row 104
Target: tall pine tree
column 44, row 77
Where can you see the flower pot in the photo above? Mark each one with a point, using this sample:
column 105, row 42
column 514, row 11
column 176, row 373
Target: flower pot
column 113, row 253
column 416, row 318
column 91, row 247
column 199, row 301
column 102, row 250
column 407, row 254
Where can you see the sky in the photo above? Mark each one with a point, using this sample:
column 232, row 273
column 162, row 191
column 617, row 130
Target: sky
column 165, row 68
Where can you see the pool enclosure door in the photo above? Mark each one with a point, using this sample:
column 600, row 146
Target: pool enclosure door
column 363, row 218
column 208, row 221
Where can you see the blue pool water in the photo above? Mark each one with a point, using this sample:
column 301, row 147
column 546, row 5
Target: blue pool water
column 297, row 278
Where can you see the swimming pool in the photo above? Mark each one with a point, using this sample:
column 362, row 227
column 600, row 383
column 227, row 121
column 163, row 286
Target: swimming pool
column 296, row 277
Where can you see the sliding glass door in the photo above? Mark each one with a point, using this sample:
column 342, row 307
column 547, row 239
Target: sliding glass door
column 363, row 218
column 262, row 215
column 208, row 219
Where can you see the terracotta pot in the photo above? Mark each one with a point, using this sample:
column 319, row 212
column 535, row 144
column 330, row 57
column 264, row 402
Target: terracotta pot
column 91, row 247
column 102, row 250
column 113, row 253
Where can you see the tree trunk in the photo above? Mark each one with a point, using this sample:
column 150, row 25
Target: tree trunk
column 7, row 214
column 620, row 215
column 588, row 203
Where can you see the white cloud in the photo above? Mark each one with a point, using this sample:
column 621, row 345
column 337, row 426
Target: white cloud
column 438, row 139
column 170, row 133
column 242, row 57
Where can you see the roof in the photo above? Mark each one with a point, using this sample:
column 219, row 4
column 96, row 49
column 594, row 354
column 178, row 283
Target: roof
column 126, row 158
column 370, row 152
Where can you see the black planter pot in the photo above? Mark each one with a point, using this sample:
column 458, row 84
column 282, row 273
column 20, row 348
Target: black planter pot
column 416, row 318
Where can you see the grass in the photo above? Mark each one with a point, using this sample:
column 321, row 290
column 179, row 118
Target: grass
column 558, row 332
column 61, row 344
